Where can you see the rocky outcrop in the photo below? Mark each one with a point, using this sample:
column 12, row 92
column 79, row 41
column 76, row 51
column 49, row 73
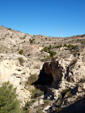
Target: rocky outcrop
column 50, row 74
column 77, row 107
column 12, row 70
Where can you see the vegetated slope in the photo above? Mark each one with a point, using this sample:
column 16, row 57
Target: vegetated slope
column 52, row 64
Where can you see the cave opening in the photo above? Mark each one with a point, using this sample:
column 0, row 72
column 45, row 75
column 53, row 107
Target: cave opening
column 44, row 79
column 43, row 82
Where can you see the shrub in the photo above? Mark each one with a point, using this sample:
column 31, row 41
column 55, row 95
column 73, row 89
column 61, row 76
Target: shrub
column 9, row 28
column 21, row 51
column 8, row 99
column 36, row 93
column 83, row 42
column 43, row 60
column 21, row 60
column 32, row 79
column 50, row 47
column 52, row 53
column 59, row 46
column 31, row 40
column 72, row 46
column 48, row 57
column 45, row 49
column 65, row 45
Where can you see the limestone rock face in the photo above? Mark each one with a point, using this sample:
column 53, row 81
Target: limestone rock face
column 11, row 70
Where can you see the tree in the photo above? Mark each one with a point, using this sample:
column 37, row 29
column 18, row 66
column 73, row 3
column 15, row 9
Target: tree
column 8, row 99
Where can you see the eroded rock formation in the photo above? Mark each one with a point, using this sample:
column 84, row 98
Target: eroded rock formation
column 76, row 107
column 50, row 74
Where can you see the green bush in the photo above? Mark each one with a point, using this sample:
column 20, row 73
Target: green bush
column 72, row 46
column 45, row 49
column 9, row 28
column 65, row 45
column 21, row 51
column 36, row 93
column 48, row 49
column 52, row 53
column 8, row 99
column 59, row 46
column 48, row 57
column 31, row 40
column 43, row 60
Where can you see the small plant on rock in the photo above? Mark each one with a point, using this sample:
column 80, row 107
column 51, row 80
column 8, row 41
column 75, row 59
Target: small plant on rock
column 21, row 60
column 36, row 93
column 21, row 51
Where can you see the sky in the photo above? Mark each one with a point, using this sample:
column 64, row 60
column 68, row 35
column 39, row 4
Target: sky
column 56, row 18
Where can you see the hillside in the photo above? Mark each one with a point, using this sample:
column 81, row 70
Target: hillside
column 49, row 72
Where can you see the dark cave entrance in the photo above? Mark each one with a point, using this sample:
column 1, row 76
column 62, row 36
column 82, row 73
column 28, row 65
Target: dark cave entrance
column 44, row 79
column 43, row 82
column 49, row 77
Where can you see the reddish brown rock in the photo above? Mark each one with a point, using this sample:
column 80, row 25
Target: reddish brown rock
column 50, row 74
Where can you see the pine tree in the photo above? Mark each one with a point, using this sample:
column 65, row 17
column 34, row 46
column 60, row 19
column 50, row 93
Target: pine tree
column 8, row 99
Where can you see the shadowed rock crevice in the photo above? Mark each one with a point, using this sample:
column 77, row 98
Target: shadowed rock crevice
column 77, row 107
column 50, row 74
